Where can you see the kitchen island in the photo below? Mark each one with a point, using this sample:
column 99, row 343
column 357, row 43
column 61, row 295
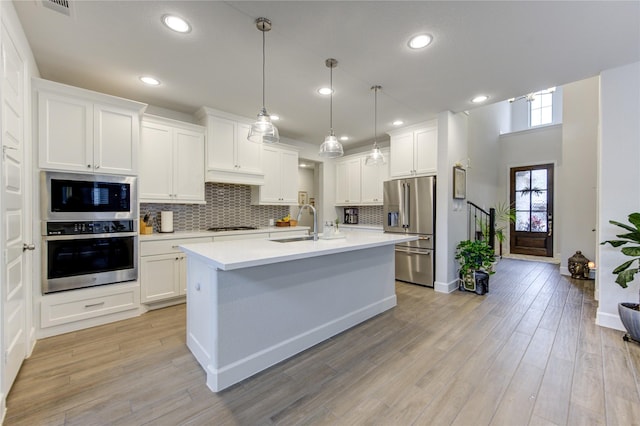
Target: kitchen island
column 252, row 304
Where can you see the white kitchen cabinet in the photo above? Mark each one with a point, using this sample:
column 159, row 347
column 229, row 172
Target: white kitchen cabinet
column 280, row 187
column 163, row 273
column 414, row 151
column 171, row 161
column 230, row 156
column 348, row 181
column 84, row 131
column 373, row 176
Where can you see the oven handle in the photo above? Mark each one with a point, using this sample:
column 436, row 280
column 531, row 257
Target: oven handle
column 425, row 252
column 89, row 236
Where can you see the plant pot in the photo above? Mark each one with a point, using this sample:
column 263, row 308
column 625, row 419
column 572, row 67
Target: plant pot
column 630, row 317
column 477, row 281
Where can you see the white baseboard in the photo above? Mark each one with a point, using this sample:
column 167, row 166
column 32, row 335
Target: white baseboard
column 445, row 287
column 610, row 321
column 565, row 271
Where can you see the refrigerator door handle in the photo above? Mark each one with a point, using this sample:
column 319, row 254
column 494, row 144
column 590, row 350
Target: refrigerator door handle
column 405, row 205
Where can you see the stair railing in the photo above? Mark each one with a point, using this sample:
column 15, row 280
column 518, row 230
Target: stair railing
column 481, row 224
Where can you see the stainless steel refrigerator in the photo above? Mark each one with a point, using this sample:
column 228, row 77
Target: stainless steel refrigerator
column 409, row 208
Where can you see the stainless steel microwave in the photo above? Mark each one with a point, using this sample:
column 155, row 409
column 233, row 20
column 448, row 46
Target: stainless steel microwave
column 77, row 196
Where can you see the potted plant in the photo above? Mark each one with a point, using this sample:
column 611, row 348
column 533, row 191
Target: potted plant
column 629, row 312
column 476, row 260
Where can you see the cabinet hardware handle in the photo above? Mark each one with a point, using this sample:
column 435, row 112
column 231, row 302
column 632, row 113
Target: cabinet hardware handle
column 93, row 305
column 26, row 247
column 97, row 166
column 88, row 166
column 174, row 247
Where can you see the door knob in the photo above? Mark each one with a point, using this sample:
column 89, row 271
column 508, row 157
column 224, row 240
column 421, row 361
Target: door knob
column 26, row 247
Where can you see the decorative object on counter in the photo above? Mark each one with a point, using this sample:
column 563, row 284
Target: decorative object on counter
column 287, row 221
column 337, row 221
column 578, row 266
column 476, row 260
column 375, row 157
column 146, row 224
column 263, row 129
column 166, row 221
column 331, row 148
column 629, row 312
column 459, row 183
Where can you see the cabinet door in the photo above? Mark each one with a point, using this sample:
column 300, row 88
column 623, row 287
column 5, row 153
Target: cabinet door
column 289, row 177
column 372, row 182
column 401, row 156
column 426, row 150
column 342, row 184
column 248, row 153
column 354, row 180
column 116, row 140
column 221, row 144
column 188, row 175
column 156, row 150
column 160, row 277
column 65, row 133
column 270, row 191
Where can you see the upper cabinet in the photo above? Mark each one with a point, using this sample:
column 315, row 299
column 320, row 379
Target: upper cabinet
column 171, row 161
column 230, row 156
column 280, row 167
column 84, row 131
column 358, row 184
column 414, row 151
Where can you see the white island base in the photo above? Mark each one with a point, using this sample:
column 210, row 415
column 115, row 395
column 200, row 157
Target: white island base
column 242, row 321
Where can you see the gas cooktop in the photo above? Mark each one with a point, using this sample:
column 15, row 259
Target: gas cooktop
column 232, row 228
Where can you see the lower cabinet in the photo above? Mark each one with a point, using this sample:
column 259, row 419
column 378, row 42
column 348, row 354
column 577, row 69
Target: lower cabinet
column 163, row 269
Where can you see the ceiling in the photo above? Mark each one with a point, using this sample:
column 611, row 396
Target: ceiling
column 501, row 49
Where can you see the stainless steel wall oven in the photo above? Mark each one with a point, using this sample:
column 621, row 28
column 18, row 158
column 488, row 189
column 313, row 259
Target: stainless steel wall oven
column 89, row 230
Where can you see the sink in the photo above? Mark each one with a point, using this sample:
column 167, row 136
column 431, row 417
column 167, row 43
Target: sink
column 292, row 239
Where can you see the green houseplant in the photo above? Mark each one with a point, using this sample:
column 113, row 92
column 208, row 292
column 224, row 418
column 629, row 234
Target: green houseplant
column 629, row 312
column 476, row 260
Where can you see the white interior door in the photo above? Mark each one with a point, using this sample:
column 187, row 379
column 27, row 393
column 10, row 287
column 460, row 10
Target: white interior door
column 12, row 195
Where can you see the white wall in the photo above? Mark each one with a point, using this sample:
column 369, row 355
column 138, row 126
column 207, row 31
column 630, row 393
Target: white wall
column 451, row 215
column 575, row 212
column 541, row 145
column 485, row 125
column 618, row 177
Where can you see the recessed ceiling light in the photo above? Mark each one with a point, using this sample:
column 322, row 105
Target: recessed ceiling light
column 479, row 99
column 398, row 123
column 420, row 41
column 150, row 80
column 324, row 91
column 344, row 138
column 176, row 23
column 274, row 117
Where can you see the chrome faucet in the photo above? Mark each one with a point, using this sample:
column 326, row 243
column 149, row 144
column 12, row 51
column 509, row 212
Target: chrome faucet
column 315, row 219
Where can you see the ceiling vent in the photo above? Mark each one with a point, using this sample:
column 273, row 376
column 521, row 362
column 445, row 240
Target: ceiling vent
column 61, row 6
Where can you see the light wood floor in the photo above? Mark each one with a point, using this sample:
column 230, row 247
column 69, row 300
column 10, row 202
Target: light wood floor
column 527, row 353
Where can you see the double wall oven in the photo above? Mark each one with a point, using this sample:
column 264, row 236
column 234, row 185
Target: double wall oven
column 89, row 230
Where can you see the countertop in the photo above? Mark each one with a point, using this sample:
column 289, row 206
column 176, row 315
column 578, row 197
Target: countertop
column 194, row 234
column 230, row 255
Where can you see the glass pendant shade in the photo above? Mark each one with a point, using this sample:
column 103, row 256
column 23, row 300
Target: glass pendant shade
column 375, row 157
column 331, row 148
column 263, row 130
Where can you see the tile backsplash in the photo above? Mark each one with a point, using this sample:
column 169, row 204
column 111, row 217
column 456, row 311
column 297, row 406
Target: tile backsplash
column 370, row 215
column 227, row 205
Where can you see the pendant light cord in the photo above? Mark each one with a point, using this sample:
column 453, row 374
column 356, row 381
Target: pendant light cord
column 375, row 118
column 331, row 99
column 263, row 68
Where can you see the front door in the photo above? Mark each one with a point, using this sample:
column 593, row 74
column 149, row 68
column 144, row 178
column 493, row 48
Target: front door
column 13, row 194
column 532, row 197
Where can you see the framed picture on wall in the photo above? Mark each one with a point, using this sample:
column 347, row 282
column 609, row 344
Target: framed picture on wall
column 459, row 183
column 303, row 198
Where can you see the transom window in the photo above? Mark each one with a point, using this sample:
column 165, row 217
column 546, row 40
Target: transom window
column 541, row 107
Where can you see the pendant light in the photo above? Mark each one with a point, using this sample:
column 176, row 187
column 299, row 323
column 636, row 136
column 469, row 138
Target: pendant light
column 331, row 148
column 375, row 157
column 263, row 129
